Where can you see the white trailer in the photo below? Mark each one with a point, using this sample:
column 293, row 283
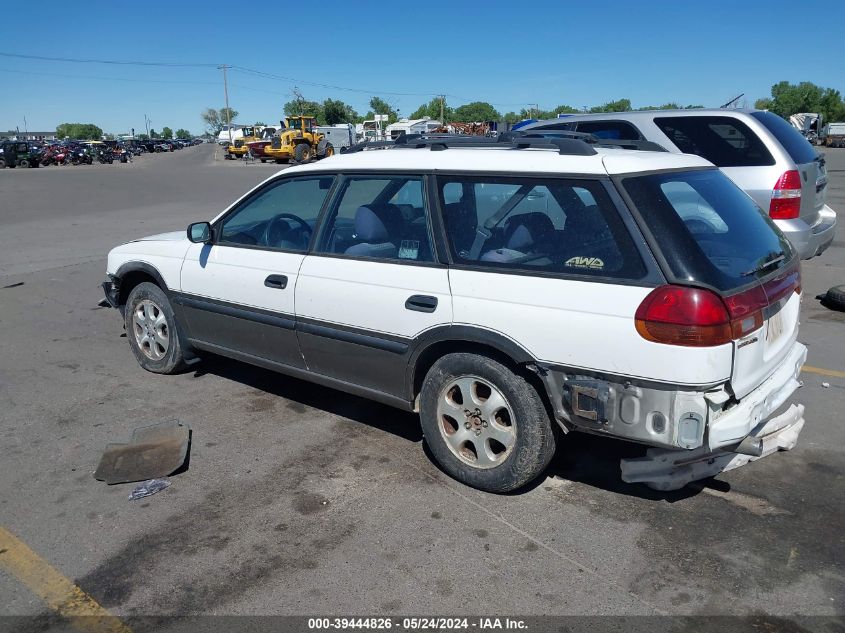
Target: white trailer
column 339, row 135
column 411, row 126
column 833, row 134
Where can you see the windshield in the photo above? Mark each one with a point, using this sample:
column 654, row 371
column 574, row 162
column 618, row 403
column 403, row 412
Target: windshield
column 708, row 229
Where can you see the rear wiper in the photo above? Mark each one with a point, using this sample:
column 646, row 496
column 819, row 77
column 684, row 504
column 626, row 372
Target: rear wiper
column 774, row 260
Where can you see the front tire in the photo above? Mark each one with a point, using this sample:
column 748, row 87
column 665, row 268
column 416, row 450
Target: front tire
column 302, row 153
column 486, row 426
column 152, row 331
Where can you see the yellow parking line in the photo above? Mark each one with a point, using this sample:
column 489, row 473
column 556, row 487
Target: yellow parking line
column 824, row 372
column 60, row 594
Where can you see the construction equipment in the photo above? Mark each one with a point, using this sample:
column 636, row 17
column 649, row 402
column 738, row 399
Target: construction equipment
column 238, row 147
column 299, row 141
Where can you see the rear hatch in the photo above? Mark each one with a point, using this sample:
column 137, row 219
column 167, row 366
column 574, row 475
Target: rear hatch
column 809, row 163
column 712, row 236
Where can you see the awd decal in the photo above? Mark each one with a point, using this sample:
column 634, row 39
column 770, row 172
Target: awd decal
column 594, row 263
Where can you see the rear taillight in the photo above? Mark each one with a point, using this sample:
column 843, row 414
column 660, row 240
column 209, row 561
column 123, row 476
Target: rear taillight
column 677, row 315
column 786, row 197
column 694, row 317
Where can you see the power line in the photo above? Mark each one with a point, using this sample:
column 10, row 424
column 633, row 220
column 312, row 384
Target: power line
column 329, row 86
column 242, row 69
column 66, row 76
column 106, row 61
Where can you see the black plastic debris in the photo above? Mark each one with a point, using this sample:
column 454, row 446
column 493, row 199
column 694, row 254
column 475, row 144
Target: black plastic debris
column 153, row 452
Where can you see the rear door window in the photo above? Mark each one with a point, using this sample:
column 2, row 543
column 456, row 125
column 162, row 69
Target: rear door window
column 724, row 141
column 791, row 139
column 708, row 229
column 537, row 225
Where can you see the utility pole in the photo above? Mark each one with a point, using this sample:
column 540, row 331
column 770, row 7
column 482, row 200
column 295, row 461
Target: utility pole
column 226, row 93
column 147, row 125
column 442, row 108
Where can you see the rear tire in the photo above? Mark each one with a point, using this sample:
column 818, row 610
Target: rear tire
column 24, row 163
column 486, row 426
column 152, row 331
column 2, row 163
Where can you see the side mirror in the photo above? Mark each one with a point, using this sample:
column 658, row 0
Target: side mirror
column 199, row 232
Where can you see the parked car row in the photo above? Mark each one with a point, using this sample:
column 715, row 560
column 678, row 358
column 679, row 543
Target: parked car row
column 27, row 154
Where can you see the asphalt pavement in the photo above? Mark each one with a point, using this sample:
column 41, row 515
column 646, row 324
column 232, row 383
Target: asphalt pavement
column 303, row 500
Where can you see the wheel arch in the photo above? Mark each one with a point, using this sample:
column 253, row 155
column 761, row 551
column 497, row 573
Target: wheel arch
column 131, row 274
column 457, row 338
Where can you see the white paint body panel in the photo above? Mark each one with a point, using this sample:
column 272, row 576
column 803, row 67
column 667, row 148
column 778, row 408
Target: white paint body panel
column 237, row 275
column 164, row 255
column 580, row 324
column 371, row 294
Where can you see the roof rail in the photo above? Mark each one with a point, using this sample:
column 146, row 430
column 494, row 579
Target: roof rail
column 649, row 146
column 565, row 142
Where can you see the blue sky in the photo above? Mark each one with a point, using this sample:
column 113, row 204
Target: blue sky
column 510, row 54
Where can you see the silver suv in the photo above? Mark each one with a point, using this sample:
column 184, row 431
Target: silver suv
column 758, row 150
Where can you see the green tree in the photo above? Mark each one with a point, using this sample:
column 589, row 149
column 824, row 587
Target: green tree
column 166, row 132
column 380, row 106
column 621, row 105
column 787, row 99
column 477, row 111
column 511, row 117
column 261, row 123
column 300, row 106
column 432, row 111
column 142, row 137
column 153, row 133
column 79, row 131
column 336, row 111
column 215, row 119
column 182, row 133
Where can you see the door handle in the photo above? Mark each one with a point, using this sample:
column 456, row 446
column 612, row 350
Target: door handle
column 278, row 282
column 421, row 303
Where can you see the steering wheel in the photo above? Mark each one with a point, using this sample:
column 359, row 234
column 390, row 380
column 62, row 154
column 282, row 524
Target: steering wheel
column 275, row 233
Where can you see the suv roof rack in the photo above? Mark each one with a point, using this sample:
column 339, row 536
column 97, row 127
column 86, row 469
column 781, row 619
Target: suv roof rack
column 566, row 143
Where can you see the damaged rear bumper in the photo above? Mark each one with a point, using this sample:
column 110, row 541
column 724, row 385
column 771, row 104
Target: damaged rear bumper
column 665, row 469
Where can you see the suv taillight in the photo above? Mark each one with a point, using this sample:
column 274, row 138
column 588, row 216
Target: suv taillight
column 786, row 197
column 677, row 315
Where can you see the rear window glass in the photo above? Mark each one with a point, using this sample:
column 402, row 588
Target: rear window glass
column 537, row 225
column 793, row 142
column 708, row 230
column 724, row 141
column 618, row 130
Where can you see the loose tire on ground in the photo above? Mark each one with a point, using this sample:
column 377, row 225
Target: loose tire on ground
column 486, row 426
column 152, row 331
column 302, row 153
column 835, row 298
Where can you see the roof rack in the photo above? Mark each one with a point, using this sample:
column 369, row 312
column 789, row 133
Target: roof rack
column 566, row 143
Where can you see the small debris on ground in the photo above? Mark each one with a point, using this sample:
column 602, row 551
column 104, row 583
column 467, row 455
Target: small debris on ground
column 20, row 283
column 149, row 488
column 825, row 385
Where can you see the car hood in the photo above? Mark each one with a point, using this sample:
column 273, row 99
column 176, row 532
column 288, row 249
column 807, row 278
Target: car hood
column 174, row 236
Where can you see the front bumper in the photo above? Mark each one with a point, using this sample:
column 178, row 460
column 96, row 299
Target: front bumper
column 663, row 469
column 111, row 288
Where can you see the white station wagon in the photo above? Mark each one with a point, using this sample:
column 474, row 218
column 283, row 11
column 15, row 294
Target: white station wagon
column 510, row 292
